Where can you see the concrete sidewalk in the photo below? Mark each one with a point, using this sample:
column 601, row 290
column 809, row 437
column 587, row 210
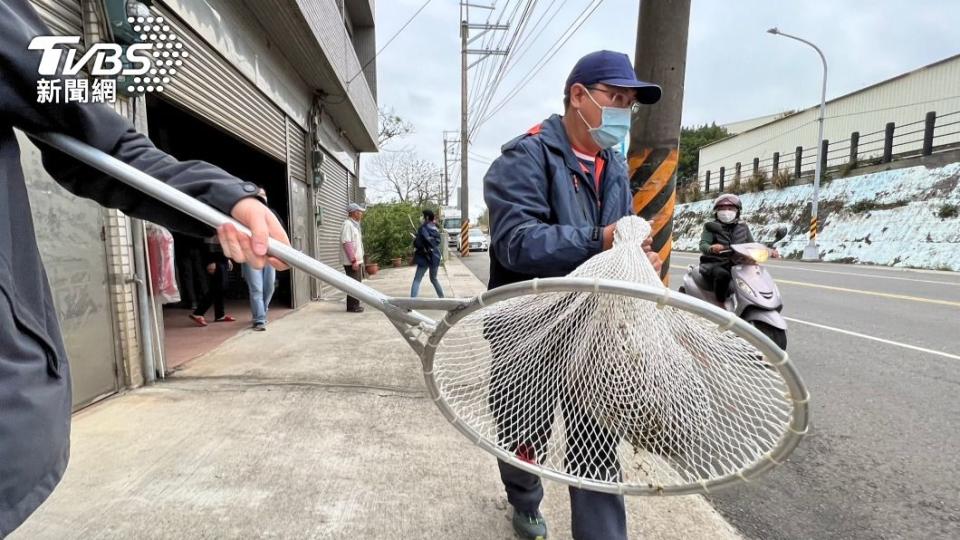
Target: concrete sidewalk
column 318, row 428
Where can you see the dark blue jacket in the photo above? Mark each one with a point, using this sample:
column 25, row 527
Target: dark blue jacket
column 34, row 373
column 545, row 215
column 427, row 245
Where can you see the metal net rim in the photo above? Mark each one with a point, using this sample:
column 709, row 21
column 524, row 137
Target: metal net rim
column 662, row 296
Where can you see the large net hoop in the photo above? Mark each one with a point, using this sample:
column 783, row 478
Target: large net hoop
column 608, row 381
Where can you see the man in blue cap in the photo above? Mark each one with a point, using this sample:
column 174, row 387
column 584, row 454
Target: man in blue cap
column 555, row 195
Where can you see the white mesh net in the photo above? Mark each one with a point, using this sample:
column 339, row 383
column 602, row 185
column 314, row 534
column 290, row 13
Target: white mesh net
column 611, row 388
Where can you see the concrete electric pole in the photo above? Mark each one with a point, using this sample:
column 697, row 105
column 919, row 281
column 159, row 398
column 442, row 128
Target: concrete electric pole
column 661, row 58
column 465, row 39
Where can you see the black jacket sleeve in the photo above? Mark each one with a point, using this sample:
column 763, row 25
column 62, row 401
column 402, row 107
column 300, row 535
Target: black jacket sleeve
column 102, row 128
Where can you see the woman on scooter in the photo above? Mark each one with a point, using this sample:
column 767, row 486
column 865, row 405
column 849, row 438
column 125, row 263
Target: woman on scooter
column 726, row 229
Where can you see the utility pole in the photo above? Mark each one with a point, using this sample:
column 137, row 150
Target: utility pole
column 661, row 58
column 446, row 172
column 446, row 164
column 465, row 39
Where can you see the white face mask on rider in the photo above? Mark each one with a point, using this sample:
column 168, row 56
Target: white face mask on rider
column 727, row 216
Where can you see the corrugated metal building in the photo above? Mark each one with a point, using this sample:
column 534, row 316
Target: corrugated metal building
column 273, row 92
column 903, row 100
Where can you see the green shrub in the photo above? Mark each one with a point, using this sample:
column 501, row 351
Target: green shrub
column 948, row 211
column 690, row 192
column 387, row 231
column 757, row 182
column 782, row 179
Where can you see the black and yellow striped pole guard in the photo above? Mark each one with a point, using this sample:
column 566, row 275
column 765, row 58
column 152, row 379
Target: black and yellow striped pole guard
column 465, row 238
column 653, row 183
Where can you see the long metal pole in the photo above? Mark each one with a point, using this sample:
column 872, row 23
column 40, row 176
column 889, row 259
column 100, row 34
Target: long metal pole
column 212, row 217
column 464, row 138
column 811, row 252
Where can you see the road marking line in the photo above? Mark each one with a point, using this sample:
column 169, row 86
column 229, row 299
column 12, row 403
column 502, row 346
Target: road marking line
column 872, row 338
column 777, row 264
column 872, row 293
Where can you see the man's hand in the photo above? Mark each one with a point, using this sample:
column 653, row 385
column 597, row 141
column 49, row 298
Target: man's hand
column 252, row 249
column 212, row 268
column 608, row 236
column 652, row 255
column 717, row 248
column 775, row 254
column 356, row 266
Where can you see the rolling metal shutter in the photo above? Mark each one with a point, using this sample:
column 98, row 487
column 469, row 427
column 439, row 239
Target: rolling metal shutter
column 334, row 198
column 297, row 147
column 62, row 16
column 210, row 87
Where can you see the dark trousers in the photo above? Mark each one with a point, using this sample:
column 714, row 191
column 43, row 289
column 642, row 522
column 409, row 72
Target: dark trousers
column 193, row 276
column 720, row 277
column 594, row 516
column 214, row 296
column 524, row 394
column 353, row 303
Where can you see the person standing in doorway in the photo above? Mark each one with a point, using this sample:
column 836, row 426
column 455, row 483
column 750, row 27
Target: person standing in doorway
column 351, row 250
column 217, row 267
column 260, row 282
column 427, row 253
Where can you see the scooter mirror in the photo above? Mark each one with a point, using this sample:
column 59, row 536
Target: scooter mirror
column 780, row 233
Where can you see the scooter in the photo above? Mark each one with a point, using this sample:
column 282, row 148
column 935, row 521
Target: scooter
column 753, row 294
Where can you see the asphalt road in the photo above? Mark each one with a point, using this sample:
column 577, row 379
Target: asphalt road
column 882, row 459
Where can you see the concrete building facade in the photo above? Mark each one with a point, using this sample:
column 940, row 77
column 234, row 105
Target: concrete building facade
column 277, row 92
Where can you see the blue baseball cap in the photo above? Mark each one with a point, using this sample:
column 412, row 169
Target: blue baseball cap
column 613, row 69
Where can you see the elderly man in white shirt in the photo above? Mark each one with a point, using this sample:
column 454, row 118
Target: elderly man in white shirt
column 351, row 250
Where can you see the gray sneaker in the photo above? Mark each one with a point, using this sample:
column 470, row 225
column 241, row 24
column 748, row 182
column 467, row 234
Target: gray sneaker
column 529, row 526
column 259, row 327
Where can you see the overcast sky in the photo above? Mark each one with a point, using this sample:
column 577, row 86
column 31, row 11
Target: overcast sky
column 735, row 70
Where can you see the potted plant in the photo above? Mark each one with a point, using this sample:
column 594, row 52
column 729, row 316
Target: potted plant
column 370, row 267
column 397, row 262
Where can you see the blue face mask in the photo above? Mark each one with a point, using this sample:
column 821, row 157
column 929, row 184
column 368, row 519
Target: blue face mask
column 614, row 125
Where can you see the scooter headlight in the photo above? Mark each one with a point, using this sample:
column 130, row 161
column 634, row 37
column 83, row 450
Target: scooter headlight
column 742, row 285
column 759, row 255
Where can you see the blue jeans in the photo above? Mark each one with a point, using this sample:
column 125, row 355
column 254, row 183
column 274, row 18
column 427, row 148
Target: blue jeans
column 260, row 283
column 421, row 270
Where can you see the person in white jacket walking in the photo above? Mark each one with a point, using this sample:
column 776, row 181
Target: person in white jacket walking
column 351, row 250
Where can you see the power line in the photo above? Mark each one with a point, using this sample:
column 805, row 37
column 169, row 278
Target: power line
column 487, row 69
column 389, row 41
column 485, row 44
column 501, row 72
column 545, row 59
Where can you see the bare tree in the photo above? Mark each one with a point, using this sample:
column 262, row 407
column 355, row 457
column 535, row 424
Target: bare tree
column 402, row 176
column 391, row 126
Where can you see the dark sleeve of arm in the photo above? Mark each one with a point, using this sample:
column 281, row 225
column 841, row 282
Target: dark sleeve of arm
column 706, row 240
column 750, row 239
column 516, row 192
column 102, row 128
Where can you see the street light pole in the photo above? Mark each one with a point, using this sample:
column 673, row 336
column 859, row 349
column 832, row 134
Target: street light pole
column 810, row 252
